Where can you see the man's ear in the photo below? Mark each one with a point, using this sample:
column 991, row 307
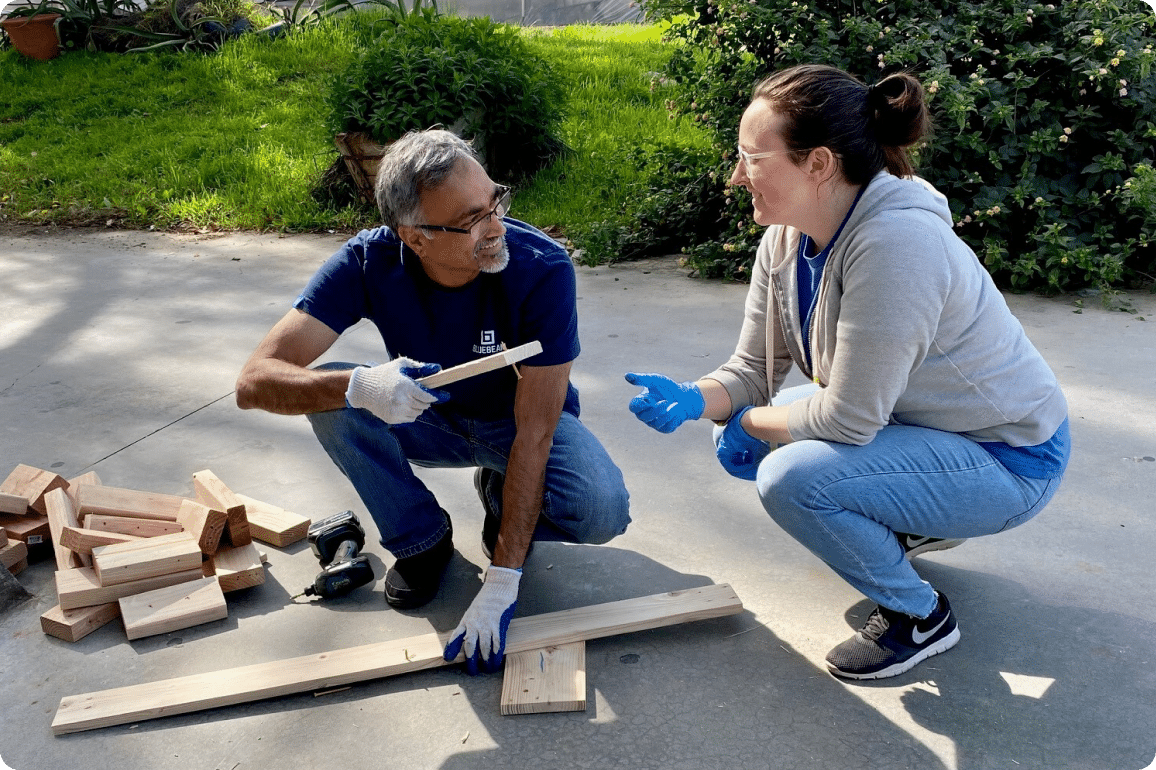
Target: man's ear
column 412, row 237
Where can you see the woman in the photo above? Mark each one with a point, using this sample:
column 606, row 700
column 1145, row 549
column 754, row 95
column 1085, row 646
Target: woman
column 931, row 419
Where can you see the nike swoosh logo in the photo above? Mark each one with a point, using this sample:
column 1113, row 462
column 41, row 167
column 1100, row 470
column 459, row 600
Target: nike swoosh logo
column 914, row 542
column 919, row 637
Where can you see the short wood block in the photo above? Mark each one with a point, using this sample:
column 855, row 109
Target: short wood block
column 74, row 625
column 212, row 492
column 140, row 559
column 75, row 483
column 205, row 524
column 18, row 567
column 32, row 530
column 14, row 504
column 114, row 501
column 80, row 588
column 273, row 525
column 13, row 553
column 81, row 541
column 32, row 484
column 238, row 567
column 544, row 681
column 3, row 537
column 126, row 525
column 173, row 608
column 61, row 514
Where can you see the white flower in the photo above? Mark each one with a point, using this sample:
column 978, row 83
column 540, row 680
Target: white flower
column 934, row 87
column 870, row 48
column 1103, row 71
column 1068, row 131
column 1063, row 140
column 1123, row 92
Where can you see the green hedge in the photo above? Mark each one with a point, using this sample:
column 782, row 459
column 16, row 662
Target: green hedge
column 1045, row 123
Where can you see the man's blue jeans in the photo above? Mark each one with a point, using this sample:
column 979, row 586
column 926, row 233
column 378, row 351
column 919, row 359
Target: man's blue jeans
column 845, row 503
column 585, row 499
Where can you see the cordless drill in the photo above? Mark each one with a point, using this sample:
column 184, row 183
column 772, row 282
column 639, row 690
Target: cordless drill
column 335, row 541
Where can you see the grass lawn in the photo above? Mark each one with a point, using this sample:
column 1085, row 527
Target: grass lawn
column 236, row 139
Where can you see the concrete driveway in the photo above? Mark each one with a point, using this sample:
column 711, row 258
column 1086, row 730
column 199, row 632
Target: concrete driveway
column 118, row 353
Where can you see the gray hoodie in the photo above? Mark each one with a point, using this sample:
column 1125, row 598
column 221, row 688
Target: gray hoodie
column 908, row 329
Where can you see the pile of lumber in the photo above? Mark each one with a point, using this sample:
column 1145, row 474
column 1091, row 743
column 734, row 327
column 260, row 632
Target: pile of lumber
column 160, row 562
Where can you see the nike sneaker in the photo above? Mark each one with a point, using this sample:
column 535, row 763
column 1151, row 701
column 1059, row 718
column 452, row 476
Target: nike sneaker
column 913, row 545
column 890, row 643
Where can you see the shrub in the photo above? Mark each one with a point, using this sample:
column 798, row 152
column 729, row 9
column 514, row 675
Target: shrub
column 472, row 75
column 1045, row 119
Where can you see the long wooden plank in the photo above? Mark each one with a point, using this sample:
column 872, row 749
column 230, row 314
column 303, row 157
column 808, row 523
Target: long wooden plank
column 80, row 588
column 372, row 661
column 172, row 608
column 481, row 365
column 545, row 681
column 273, row 525
column 114, row 501
column 128, row 525
column 61, row 513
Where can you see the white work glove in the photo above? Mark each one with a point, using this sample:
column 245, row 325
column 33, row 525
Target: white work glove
column 482, row 633
column 389, row 391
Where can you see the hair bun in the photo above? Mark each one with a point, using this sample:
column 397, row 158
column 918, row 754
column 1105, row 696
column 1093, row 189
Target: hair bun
column 897, row 108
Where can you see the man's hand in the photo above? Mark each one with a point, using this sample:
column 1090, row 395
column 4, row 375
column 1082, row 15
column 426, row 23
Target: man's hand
column 389, row 390
column 482, row 633
column 739, row 452
column 665, row 404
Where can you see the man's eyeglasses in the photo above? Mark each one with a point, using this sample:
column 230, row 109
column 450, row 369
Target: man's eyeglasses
column 499, row 210
column 747, row 157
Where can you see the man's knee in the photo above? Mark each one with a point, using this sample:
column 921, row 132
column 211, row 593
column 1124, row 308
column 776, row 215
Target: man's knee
column 597, row 517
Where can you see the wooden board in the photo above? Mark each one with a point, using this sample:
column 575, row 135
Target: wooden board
column 74, row 625
column 238, row 567
column 75, row 483
column 80, row 588
column 3, row 537
column 212, row 492
column 173, row 608
column 114, row 501
column 372, row 661
column 81, row 541
column 13, row 553
column 205, row 524
column 127, row 525
column 545, row 681
column 32, row 484
column 14, row 504
column 273, row 525
column 149, row 557
column 61, row 513
column 32, row 530
column 481, row 365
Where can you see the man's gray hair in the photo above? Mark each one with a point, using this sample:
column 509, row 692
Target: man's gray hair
column 419, row 161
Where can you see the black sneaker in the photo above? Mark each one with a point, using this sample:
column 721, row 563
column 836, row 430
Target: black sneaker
column 891, row 643
column 414, row 580
column 913, row 545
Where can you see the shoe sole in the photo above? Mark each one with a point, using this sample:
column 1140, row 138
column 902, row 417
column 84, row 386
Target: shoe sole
column 935, row 545
column 943, row 645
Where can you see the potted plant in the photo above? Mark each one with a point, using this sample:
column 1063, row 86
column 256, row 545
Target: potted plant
column 33, row 32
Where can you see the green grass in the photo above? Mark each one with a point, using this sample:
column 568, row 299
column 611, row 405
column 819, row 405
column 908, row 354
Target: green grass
column 236, row 140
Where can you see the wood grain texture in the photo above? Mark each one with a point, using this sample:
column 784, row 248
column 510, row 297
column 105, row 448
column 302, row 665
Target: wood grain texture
column 14, row 504
column 127, row 525
column 81, row 541
column 75, row 483
column 80, row 588
column 115, row 501
column 32, row 484
column 172, row 608
column 545, row 681
column 31, row 530
column 238, row 567
column 481, row 365
column 74, row 625
column 372, row 661
column 140, row 559
column 205, row 524
column 214, row 493
column 61, row 513
column 13, row 553
column 273, row 525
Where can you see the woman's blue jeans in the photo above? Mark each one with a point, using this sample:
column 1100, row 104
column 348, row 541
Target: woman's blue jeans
column 845, row 503
column 585, row 498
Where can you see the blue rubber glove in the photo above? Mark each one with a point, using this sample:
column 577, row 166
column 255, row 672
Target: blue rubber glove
column 739, row 452
column 482, row 633
column 665, row 404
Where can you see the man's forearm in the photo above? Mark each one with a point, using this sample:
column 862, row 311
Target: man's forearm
column 284, row 388
column 521, row 501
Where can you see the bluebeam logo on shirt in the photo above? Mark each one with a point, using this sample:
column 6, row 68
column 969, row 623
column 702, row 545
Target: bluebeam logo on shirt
column 489, row 344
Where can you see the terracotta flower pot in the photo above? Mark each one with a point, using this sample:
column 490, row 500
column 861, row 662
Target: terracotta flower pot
column 34, row 36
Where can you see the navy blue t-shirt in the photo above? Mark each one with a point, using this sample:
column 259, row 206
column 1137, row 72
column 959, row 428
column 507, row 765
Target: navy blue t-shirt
column 375, row 276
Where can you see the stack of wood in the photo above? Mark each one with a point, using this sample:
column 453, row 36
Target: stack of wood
column 161, row 562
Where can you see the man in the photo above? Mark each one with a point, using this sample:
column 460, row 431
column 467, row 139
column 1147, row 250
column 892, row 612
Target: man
column 447, row 280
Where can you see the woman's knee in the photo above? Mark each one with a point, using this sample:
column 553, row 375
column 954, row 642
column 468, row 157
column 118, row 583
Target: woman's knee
column 786, row 482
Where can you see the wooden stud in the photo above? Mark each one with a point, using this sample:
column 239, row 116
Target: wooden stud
column 12, row 554
column 114, row 501
column 32, row 484
column 81, row 541
column 205, row 524
column 372, row 661
column 80, row 588
column 545, row 681
column 238, row 567
column 61, row 514
column 212, row 492
column 127, row 525
column 273, row 525
column 140, row 559
column 481, row 365
column 173, row 608
column 74, row 625
column 14, row 504
column 75, row 483
column 32, row 530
